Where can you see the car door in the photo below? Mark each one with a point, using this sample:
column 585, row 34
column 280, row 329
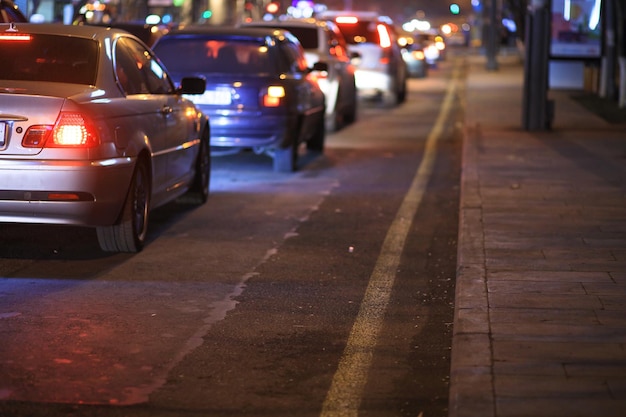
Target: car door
column 163, row 116
column 338, row 49
column 310, row 100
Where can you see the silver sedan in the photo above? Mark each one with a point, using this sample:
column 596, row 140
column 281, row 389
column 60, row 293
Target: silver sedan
column 93, row 132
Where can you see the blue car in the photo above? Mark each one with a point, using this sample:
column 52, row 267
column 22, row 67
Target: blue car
column 259, row 95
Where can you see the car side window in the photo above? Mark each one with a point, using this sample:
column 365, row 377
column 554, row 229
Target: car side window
column 138, row 71
column 293, row 57
column 337, row 46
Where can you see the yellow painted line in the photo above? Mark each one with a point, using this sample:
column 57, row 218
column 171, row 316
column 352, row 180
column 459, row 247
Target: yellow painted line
column 344, row 396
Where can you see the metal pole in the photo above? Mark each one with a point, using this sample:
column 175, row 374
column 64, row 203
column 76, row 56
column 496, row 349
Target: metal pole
column 537, row 110
column 609, row 59
column 492, row 35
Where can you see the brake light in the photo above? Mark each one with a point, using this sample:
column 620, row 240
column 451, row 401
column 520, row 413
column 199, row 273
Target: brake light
column 347, row 19
column 274, row 95
column 383, row 34
column 70, row 130
column 17, row 37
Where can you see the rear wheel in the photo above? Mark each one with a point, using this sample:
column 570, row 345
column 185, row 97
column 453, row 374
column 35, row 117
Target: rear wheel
column 401, row 98
column 389, row 99
column 332, row 122
column 286, row 159
column 350, row 115
column 129, row 234
column 202, row 179
column 316, row 143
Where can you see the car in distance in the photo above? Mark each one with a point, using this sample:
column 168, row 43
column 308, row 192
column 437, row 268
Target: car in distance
column 380, row 71
column 9, row 12
column 434, row 47
column 260, row 93
column 323, row 42
column 414, row 57
column 93, row 132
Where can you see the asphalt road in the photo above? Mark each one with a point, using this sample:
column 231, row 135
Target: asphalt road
column 325, row 292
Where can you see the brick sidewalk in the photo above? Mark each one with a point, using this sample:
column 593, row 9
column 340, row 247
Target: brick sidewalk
column 540, row 320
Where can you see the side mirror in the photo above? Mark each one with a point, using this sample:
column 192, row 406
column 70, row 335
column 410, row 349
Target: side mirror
column 192, row 85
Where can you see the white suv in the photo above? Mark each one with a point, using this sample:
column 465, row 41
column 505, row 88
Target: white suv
column 381, row 71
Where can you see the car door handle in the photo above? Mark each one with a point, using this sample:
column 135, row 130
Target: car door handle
column 165, row 110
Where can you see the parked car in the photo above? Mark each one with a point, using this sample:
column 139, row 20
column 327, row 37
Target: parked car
column 323, row 42
column 9, row 12
column 380, row 70
column 260, row 94
column 434, row 47
column 414, row 57
column 93, row 132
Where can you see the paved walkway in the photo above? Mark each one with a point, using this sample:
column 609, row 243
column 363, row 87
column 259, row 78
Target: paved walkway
column 540, row 319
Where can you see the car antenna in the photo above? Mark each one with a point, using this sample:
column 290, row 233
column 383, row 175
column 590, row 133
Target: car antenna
column 12, row 27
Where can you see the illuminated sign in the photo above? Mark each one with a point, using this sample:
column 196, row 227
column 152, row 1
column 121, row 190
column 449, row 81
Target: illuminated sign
column 576, row 29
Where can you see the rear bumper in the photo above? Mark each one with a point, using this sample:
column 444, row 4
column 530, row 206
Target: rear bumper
column 82, row 193
column 373, row 83
column 264, row 132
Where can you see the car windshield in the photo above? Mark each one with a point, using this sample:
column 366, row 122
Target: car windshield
column 38, row 57
column 360, row 32
column 214, row 56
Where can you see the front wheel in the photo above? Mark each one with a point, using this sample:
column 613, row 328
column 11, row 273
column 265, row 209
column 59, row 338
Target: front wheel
column 129, row 233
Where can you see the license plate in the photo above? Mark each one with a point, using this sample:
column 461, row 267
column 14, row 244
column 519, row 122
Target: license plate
column 218, row 97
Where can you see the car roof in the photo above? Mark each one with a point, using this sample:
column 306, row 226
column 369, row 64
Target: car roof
column 360, row 14
column 261, row 34
column 295, row 22
column 257, row 32
column 84, row 31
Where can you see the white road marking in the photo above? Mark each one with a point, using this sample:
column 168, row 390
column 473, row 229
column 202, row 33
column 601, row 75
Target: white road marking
column 344, row 396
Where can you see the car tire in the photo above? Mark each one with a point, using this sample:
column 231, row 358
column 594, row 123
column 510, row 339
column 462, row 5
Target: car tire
column 286, row 159
column 129, row 233
column 202, row 180
column 349, row 116
column 389, row 99
column 402, row 92
column 332, row 122
column 316, row 143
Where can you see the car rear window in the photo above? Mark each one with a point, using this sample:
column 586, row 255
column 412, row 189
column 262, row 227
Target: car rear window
column 306, row 36
column 205, row 55
column 39, row 57
column 360, row 32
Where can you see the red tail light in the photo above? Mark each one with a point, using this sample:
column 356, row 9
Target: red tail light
column 71, row 130
column 347, row 19
column 274, row 96
column 14, row 37
column 383, row 34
